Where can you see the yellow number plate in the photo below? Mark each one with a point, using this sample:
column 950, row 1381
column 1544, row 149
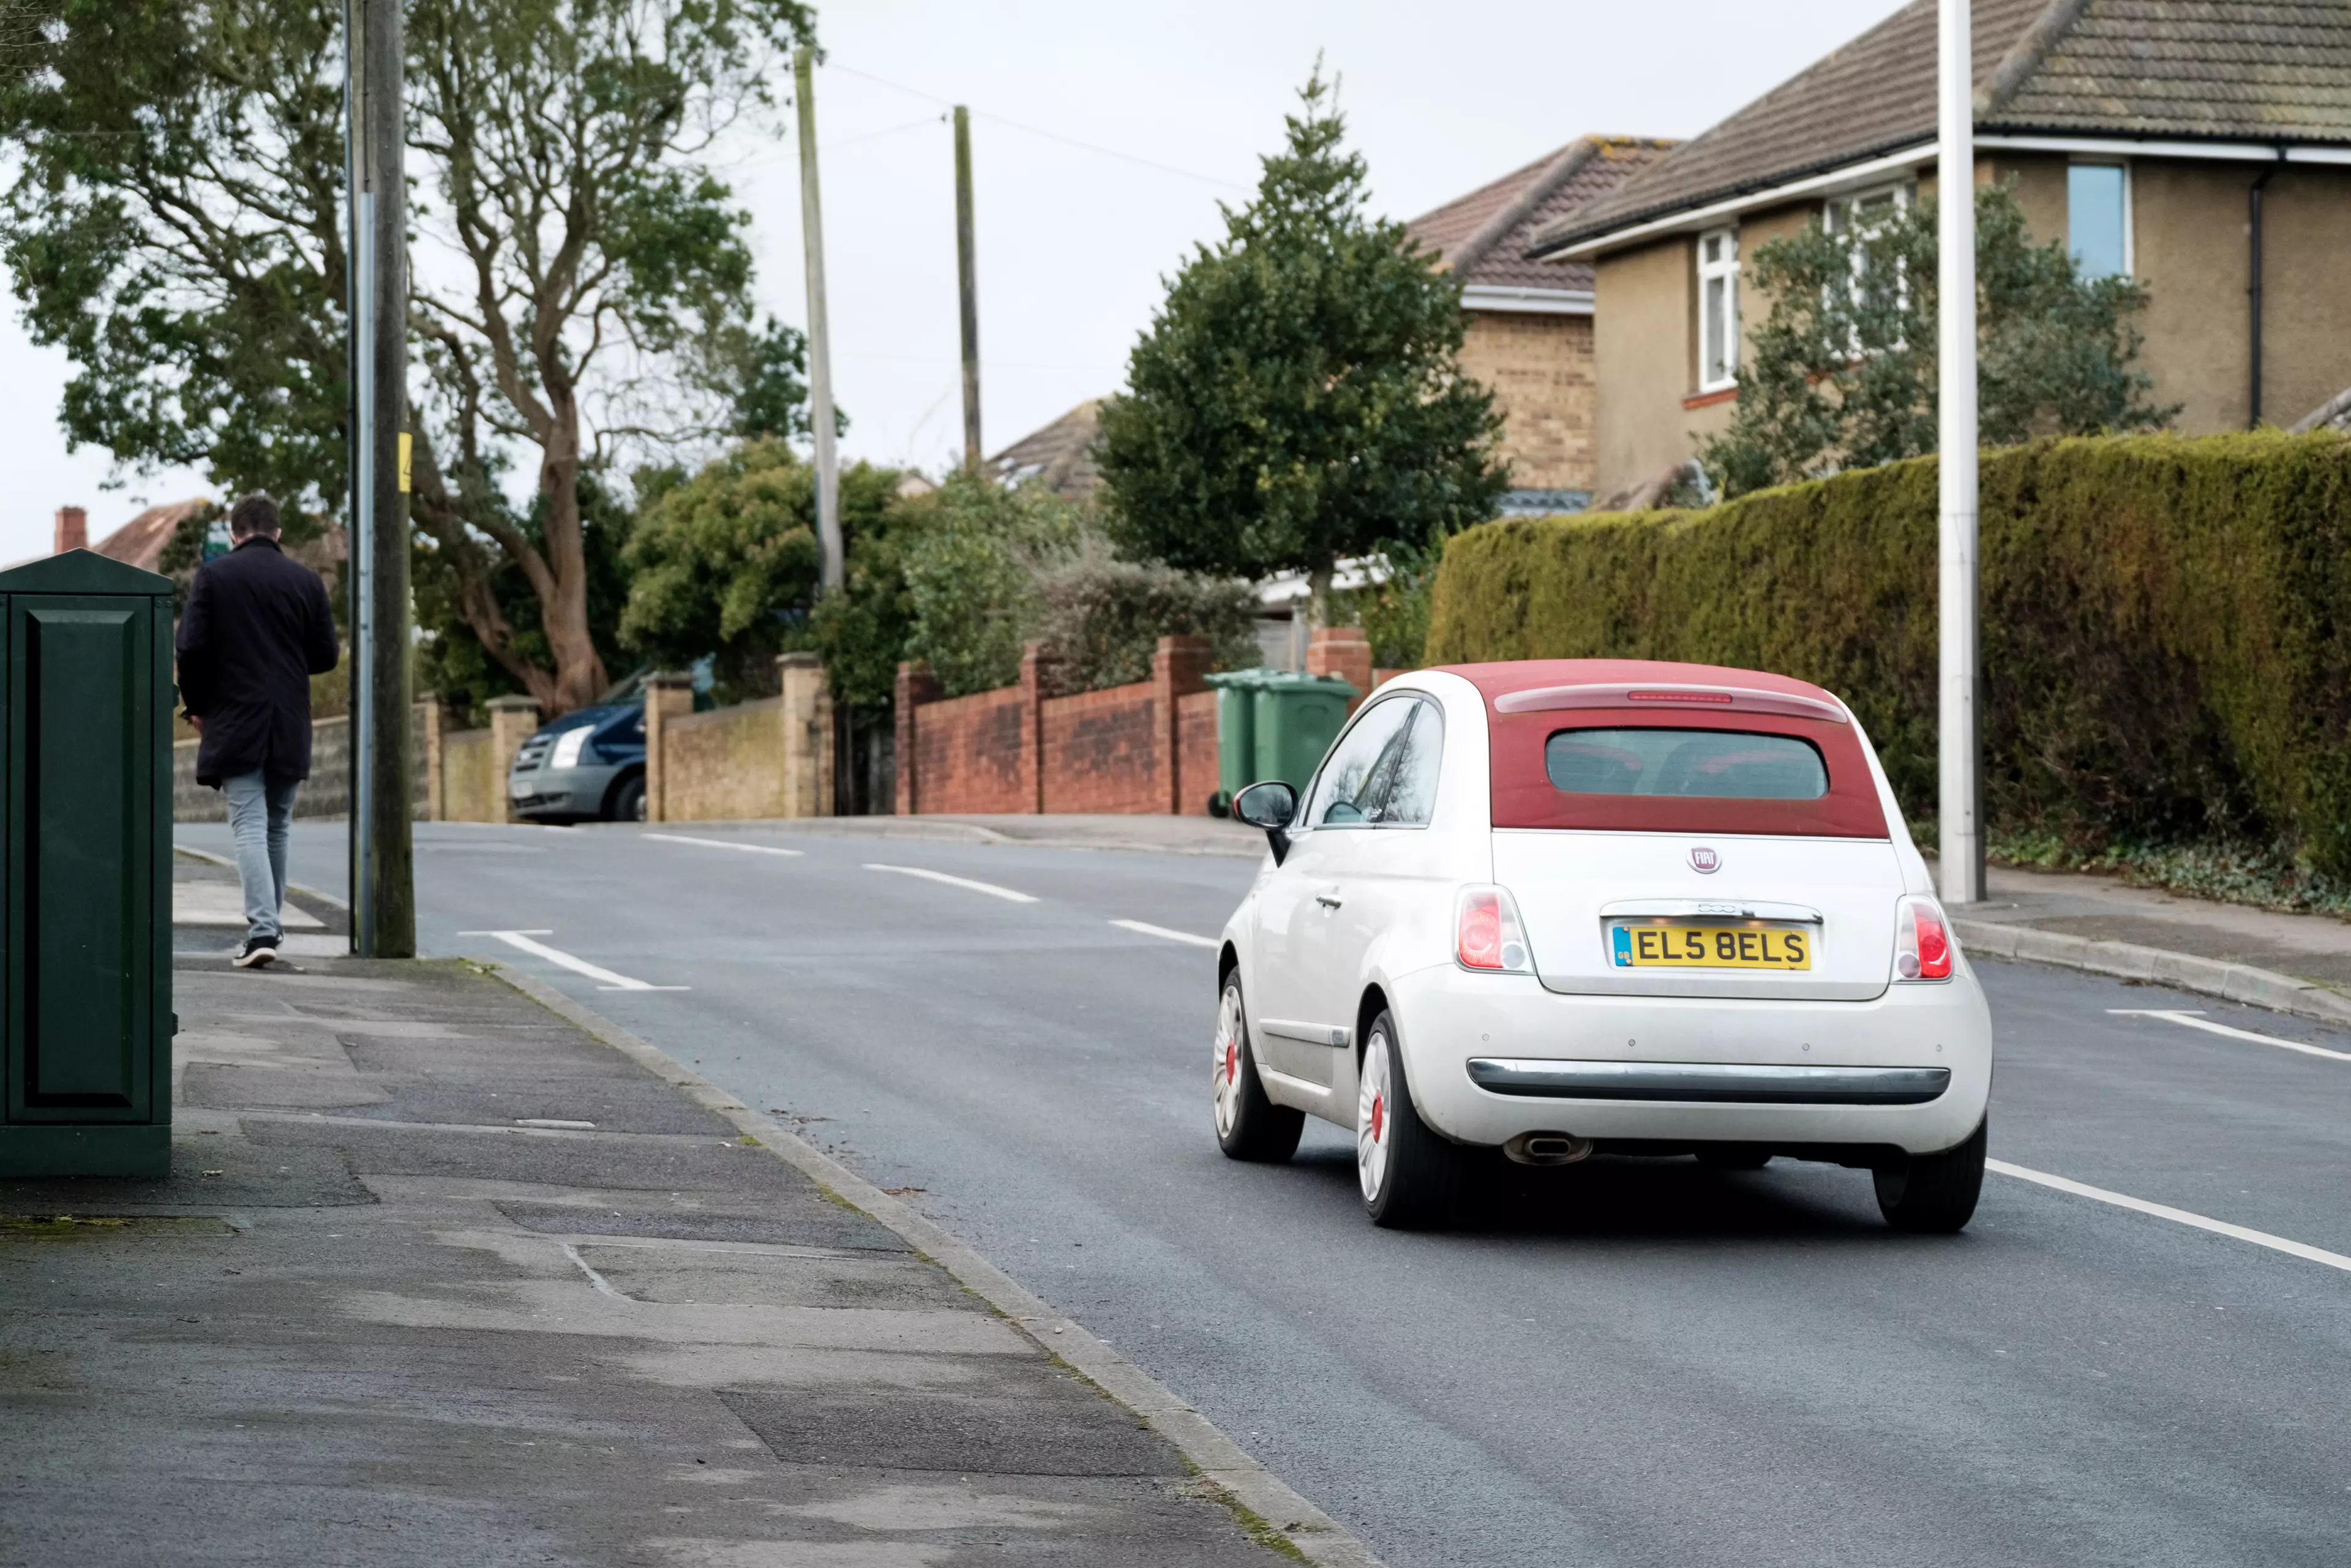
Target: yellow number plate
column 1710, row 948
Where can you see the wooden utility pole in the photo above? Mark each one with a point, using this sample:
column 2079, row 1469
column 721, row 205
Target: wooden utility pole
column 967, row 286
column 383, row 886
column 819, row 335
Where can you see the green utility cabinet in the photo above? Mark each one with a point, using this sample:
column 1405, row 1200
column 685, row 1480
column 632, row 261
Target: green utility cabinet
column 84, row 727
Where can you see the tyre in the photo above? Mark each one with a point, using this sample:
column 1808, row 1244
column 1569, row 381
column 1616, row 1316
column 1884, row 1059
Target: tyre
column 1734, row 1157
column 629, row 800
column 1250, row 1126
column 1934, row 1195
column 1410, row 1177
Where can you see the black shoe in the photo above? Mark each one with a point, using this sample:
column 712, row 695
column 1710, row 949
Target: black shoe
column 258, row 951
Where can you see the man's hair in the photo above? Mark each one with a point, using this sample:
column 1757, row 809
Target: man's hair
column 256, row 514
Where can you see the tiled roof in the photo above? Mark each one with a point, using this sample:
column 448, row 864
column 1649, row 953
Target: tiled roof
column 1483, row 236
column 140, row 542
column 2211, row 69
column 1059, row 457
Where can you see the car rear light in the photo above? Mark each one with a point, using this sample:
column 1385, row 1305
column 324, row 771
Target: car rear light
column 1487, row 934
column 1922, row 942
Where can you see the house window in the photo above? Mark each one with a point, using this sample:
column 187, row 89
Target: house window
column 2097, row 218
column 1717, row 309
column 1865, row 211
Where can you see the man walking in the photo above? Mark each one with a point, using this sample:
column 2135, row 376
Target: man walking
column 255, row 629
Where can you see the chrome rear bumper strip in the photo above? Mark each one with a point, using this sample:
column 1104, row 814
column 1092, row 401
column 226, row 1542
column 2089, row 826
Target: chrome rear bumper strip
column 1710, row 1082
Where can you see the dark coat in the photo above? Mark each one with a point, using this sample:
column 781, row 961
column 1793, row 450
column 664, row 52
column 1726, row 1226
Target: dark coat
column 256, row 628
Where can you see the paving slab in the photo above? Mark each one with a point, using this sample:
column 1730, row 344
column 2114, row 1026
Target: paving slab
column 379, row 1315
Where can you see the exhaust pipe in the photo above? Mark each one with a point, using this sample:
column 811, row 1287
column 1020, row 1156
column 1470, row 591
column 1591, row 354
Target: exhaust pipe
column 1547, row 1148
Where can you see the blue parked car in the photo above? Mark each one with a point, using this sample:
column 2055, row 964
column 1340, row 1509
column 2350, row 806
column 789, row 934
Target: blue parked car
column 587, row 765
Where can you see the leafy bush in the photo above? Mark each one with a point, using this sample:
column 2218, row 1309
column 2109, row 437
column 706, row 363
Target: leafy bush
column 2167, row 653
column 1100, row 618
column 723, row 565
column 1844, row 364
column 974, row 555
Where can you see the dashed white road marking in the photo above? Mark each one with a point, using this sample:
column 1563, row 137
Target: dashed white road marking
column 987, row 887
column 1146, row 928
column 605, row 978
column 603, row 1286
column 721, row 844
column 2176, row 1215
column 555, row 1122
column 2196, row 1021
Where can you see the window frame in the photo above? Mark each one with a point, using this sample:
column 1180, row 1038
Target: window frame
column 1725, row 266
column 2130, row 225
column 1314, row 785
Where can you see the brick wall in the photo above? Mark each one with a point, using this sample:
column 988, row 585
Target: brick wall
column 1124, row 750
column 1540, row 371
column 1098, row 754
column 968, row 755
column 721, row 765
column 1195, row 751
column 472, row 785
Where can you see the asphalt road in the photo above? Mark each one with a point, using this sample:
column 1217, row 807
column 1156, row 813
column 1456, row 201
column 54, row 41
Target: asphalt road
column 1634, row 1362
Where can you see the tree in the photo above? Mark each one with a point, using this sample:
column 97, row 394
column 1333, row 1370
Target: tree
column 580, row 288
column 1299, row 397
column 1842, row 373
column 723, row 565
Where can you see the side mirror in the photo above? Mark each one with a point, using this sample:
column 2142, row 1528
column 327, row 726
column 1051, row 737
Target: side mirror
column 1270, row 806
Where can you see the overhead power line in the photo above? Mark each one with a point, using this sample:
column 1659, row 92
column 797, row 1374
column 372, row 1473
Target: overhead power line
column 1038, row 130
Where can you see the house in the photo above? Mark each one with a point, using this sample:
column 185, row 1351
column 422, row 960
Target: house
column 1530, row 323
column 2201, row 146
column 1060, row 455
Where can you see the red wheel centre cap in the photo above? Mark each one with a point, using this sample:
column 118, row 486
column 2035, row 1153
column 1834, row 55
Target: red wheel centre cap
column 1379, row 1105
column 1232, row 1060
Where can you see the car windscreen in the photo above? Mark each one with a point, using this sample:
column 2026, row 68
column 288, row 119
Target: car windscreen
column 1729, row 765
column 1622, row 771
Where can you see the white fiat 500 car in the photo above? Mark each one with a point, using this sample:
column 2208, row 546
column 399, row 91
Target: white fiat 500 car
column 1560, row 906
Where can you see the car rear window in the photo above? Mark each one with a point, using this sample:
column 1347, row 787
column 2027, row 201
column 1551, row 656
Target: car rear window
column 1616, row 768
column 1726, row 765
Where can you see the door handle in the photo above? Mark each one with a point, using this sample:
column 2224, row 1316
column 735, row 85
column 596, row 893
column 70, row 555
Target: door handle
column 1326, row 901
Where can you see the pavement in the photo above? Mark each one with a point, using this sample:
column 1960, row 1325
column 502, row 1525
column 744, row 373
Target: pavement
column 2134, row 1356
column 449, row 1270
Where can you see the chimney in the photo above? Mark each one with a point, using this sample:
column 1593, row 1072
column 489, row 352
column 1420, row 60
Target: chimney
column 73, row 529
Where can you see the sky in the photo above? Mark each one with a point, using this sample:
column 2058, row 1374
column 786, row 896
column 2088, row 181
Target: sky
column 1103, row 137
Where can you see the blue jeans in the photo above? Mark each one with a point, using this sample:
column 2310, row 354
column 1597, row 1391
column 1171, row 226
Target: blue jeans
column 260, row 813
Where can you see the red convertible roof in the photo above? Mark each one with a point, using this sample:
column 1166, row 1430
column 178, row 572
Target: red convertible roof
column 1502, row 679
column 1534, row 699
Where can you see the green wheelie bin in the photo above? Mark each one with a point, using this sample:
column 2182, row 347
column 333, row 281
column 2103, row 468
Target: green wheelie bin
column 1236, row 735
column 1297, row 719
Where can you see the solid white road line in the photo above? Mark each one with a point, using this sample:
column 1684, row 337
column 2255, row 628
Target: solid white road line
column 721, row 844
column 606, row 980
column 2176, row 1215
column 603, row 1286
column 1147, row 929
column 2194, row 1020
column 987, row 887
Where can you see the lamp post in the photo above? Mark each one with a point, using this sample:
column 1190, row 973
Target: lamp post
column 1961, row 805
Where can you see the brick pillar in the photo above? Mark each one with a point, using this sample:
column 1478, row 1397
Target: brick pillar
column 1344, row 651
column 1177, row 668
column 666, row 697
column 916, row 686
column 73, row 529
column 1037, row 684
column 807, row 714
column 513, row 721
column 437, row 800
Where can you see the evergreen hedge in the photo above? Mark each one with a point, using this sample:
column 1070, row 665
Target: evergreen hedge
column 2167, row 625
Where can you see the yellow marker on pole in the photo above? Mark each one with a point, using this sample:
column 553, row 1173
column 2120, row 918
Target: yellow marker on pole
column 403, row 462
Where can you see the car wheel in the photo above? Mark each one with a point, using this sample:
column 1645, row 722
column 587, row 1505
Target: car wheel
column 1410, row 1177
column 1734, row 1157
column 1934, row 1193
column 1250, row 1126
column 629, row 800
